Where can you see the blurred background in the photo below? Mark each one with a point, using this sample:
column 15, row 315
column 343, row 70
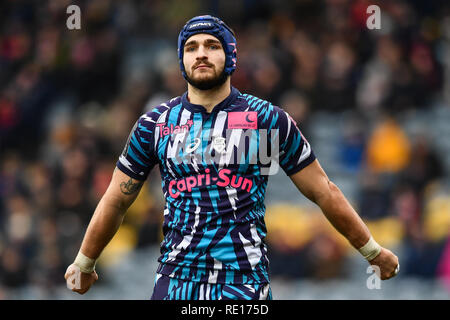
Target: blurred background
column 374, row 104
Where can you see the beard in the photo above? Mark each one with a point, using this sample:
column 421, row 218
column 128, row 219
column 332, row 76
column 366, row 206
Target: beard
column 209, row 83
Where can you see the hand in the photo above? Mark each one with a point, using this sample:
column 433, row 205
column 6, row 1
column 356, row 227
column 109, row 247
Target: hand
column 78, row 281
column 387, row 262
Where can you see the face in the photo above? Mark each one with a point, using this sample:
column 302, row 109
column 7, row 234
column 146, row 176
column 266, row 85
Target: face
column 204, row 61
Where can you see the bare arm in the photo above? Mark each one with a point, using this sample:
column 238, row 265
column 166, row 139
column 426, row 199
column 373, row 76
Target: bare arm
column 313, row 182
column 109, row 214
column 105, row 222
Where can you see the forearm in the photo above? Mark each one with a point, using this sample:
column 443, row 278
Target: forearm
column 105, row 222
column 313, row 182
column 342, row 216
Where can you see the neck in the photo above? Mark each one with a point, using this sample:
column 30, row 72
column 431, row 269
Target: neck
column 209, row 98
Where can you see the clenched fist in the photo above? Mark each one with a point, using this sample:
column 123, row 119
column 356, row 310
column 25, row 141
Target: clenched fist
column 79, row 281
column 388, row 264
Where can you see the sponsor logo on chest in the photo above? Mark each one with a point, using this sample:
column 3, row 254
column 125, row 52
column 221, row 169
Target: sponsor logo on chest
column 173, row 129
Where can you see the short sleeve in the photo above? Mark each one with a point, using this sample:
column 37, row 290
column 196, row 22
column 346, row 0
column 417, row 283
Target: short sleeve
column 138, row 157
column 295, row 151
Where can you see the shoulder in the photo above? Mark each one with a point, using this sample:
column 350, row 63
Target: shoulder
column 254, row 103
column 268, row 113
column 155, row 112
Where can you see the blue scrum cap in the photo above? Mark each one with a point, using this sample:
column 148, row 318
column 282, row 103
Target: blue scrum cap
column 217, row 28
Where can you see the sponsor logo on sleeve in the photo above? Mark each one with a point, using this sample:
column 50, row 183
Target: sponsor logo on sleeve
column 243, row 120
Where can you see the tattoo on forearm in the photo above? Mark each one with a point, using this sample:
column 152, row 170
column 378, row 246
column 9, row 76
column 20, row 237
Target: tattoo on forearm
column 130, row 187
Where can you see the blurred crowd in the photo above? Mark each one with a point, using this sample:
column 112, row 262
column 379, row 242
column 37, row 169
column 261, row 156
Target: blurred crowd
column 68, row 99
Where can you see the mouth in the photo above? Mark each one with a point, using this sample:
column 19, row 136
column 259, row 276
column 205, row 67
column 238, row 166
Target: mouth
column 202, row 66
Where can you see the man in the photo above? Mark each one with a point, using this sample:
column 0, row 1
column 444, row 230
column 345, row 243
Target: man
column 205, row 143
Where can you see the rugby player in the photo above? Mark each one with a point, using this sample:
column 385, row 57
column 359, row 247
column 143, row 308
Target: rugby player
column 208, row 145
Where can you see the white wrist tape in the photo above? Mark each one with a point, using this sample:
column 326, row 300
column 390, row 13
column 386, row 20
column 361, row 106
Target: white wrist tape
column 86, row 265
column 370, row 250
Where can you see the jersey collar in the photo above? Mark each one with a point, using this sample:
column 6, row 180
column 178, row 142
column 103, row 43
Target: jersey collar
column 225, row 104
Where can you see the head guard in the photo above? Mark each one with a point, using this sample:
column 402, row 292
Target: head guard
column 217, row 28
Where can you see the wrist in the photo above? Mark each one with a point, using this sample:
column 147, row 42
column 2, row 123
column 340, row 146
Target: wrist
column 86, row 264
column 370, row 250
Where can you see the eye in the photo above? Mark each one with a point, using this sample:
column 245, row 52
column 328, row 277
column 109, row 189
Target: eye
column 189, row 49
column 214, row 47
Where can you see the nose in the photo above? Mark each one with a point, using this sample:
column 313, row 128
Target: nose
column 201, row 53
